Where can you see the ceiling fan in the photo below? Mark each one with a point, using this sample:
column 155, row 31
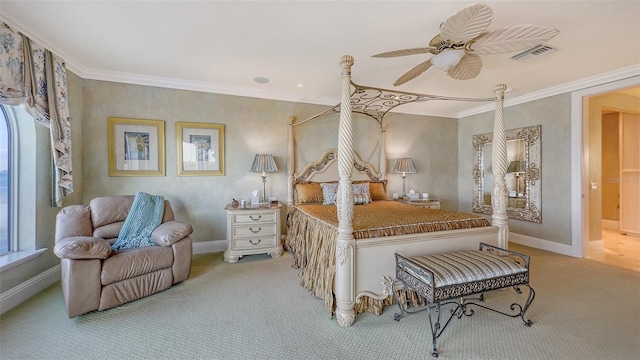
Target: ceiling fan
column 462, row 39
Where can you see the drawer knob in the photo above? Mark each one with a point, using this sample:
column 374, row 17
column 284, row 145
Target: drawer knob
column 256, row 243
column 255, row 219
column 255, row 231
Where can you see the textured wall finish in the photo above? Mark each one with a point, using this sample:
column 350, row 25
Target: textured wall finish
column 252, row 126
column 554, row 115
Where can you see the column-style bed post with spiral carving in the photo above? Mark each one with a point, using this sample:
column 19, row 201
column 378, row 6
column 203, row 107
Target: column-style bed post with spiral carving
column 382, row 166
column 345, row 243
column 499, row 169
column 291, row 162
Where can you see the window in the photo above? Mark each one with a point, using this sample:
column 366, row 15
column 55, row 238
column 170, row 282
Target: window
column 5, row 183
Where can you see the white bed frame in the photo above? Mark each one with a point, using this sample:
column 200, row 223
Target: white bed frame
column 363, row 268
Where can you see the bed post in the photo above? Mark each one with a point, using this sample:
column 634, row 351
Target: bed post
column 499, row 169
column 382, row 166
column 345, row 244
column 290, row 163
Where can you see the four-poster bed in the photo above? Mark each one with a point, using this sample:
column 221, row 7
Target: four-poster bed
column 347, row 256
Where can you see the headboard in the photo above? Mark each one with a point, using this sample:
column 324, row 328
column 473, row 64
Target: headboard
column 323, row 166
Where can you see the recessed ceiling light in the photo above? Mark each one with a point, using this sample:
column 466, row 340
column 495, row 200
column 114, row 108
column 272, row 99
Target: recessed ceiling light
column 261, row 80
column 300, row 85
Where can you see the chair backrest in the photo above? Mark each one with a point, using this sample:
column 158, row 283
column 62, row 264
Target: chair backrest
column 103, row 218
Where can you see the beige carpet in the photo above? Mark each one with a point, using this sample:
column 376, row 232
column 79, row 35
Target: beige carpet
column 255, row 309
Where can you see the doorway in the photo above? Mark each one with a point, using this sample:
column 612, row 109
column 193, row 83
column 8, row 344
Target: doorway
column 602, row 239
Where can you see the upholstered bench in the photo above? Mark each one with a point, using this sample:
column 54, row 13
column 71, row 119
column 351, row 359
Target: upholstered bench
column 450, row 278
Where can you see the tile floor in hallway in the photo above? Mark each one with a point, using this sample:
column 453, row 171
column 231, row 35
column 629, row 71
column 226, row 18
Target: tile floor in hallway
column 616, row 249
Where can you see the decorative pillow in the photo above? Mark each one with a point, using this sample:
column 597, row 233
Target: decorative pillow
column 329, row 193
column 377, row 190
column 360, row 199
column 309, row 193
column 361, row 188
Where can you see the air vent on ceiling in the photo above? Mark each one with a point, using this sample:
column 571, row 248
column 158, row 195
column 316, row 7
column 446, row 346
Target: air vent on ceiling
column 534, row 52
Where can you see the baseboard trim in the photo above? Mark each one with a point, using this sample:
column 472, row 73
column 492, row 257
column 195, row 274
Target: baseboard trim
column 541, row 244
column 611, row 224
column 16, row 295
column 205, row 247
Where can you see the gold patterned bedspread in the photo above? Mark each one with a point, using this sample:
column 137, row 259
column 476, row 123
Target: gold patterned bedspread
column 313, row 228
column 388, row 218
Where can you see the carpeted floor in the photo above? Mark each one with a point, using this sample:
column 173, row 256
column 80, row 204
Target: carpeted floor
column 255, row 309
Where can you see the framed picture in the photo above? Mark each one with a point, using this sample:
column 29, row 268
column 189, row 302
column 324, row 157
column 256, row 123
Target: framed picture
column 136, row 147
column 200, row 149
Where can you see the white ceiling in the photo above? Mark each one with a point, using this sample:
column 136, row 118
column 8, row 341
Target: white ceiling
column 221, row 46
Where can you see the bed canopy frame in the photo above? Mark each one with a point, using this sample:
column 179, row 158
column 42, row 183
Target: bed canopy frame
column 376, row 103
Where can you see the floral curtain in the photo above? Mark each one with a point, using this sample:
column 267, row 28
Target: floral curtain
column 32, row 76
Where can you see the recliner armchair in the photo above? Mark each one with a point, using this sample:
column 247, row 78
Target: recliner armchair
column 96, row 278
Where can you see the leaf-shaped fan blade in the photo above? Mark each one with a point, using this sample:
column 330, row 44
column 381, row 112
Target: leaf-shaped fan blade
column 404, row 52
column 513, row 38
column 413, row 73
column 468, row 68
column 467, row 23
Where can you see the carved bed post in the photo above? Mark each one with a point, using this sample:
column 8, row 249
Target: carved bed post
column 290, row 163
column 345, row 244
column 382, row 166
column 499, row 169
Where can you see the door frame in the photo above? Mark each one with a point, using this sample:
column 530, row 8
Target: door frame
column 580, row 160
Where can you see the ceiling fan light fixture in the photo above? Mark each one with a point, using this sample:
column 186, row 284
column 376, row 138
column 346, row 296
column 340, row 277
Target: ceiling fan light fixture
column 448, row 59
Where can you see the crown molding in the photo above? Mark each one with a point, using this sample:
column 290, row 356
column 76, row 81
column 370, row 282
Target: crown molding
column 137, row 79
column 70, row 63
column 616, row 75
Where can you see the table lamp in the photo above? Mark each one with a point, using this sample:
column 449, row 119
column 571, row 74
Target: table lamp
column 404, row 166
column 264, row 163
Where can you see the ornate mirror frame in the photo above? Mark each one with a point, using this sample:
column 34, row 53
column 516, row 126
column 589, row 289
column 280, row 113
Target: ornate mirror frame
column 531, row 210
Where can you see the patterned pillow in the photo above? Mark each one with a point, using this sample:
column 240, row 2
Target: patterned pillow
column 309, row 193
column 329, row 193
column 361, row 188
column 360, row 199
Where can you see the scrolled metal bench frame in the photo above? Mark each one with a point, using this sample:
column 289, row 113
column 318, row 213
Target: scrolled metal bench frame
column 458, row 294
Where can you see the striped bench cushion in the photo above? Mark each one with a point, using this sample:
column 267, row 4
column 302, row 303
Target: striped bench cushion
column 451, row 275
column 466, row 266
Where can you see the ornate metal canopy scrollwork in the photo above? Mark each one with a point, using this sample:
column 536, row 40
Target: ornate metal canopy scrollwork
column 377, row 102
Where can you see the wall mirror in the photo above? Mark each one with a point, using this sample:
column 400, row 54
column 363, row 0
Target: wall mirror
column 523, row 173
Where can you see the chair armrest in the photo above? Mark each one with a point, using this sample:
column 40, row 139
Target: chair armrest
column 171, row 232
column 82, row 247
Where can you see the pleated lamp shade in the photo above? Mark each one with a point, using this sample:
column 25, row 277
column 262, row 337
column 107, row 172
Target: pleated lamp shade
column 264, row 163
column 404, row 166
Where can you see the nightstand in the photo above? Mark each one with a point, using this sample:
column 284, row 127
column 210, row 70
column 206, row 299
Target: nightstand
column 429, row 203
column 253, row 230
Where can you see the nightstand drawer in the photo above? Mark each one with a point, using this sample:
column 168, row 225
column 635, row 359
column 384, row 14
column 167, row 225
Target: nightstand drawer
column 253, row 230
column 253, row 218
column 258, row 229
column 256, row 242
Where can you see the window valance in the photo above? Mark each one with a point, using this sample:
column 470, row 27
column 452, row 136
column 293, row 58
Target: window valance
column 32, row 76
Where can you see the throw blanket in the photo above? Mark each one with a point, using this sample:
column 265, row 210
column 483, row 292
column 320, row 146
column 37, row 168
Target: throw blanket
column 145, row 215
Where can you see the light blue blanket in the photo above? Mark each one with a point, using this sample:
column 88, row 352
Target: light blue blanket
column 145, row 215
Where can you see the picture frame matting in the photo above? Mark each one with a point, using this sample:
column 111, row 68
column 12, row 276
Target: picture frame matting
column 136, row 147
column 200, row 149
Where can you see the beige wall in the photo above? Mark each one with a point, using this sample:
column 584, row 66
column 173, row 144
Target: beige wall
column 554, row 114
column 251, row 126
column 610, row 167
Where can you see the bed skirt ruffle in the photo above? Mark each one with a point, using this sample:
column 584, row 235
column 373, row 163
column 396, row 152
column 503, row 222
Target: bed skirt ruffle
column 312, row 242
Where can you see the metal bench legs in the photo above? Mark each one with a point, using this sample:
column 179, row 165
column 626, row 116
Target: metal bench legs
column 462, row 307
